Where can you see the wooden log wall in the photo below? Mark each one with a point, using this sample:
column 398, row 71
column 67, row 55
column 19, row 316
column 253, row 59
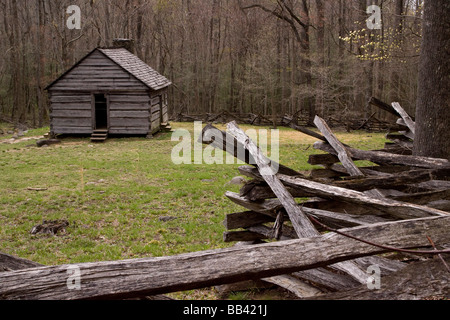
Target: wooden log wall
column 70, row 112
column 155, row 113
column 97, row 73
column 129, row 113
column 133, row 109
column 165, row 108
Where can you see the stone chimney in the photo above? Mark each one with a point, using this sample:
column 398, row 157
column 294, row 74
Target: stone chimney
column 124, row 43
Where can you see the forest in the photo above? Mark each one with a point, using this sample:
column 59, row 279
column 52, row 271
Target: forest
column 260, row 56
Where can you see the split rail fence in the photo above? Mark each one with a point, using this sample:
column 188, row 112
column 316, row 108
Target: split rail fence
column 312, row 235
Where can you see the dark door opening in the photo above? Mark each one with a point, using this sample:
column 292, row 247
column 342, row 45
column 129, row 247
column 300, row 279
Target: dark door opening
column 101, row 112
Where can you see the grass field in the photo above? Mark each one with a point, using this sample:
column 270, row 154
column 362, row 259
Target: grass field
column 114, row 194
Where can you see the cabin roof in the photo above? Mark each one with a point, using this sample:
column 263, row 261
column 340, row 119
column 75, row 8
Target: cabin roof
column 137, row 68
column 131, row 64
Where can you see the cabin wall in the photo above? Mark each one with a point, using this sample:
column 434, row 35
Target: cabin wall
column 155, row 114
column 70, row 113
column 129, row 113
column 98, row 73
column 132, row 107
column 165, row 108
column 159, row 110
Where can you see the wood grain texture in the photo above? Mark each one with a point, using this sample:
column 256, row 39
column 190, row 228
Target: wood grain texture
column 405, row 117
column 128, row 278
column 390, row 158
column 392, row 207
column 303, row 227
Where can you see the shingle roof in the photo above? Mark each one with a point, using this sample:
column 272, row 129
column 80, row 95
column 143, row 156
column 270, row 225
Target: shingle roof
column 137, row 68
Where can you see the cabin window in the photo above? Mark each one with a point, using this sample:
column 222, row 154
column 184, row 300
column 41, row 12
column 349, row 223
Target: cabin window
column 101, row 111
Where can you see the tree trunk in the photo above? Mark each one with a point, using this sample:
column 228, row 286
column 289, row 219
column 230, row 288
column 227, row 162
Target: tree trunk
column 433, row 112
column 41, row 64
column 320, row 85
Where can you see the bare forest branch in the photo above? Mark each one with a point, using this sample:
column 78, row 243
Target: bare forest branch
column 221, row 55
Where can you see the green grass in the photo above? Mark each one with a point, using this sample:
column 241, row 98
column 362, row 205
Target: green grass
column 113, row 195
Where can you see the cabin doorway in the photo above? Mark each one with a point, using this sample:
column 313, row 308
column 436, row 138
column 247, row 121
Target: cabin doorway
column 101, row 111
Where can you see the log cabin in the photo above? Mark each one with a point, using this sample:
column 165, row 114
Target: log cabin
column 109, row 92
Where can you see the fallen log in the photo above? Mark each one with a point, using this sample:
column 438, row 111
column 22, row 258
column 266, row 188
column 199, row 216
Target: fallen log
column 48, row 142
column 36, row 189
column 148, row 276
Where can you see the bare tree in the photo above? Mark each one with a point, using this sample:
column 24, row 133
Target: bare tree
column 268, row 57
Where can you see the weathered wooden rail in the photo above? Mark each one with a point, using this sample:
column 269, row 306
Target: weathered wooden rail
column 399, row 187
column 140, row 277
column 299, row 118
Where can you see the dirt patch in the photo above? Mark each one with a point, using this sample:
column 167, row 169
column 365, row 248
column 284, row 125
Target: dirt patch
column 14, row 140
